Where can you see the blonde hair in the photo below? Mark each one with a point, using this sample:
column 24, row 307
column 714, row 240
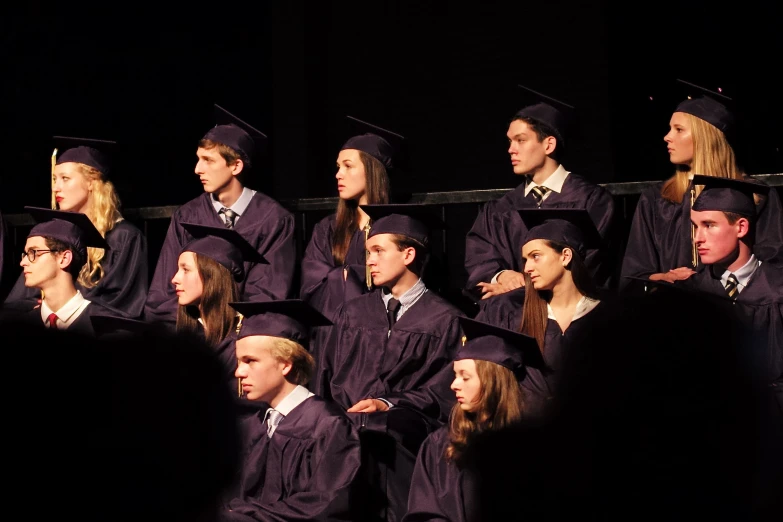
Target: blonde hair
column 500, row 404
column 104, row 213
column 302, row 363
column 712, row 156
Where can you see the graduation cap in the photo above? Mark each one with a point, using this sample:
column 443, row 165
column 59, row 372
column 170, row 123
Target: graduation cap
column 572, row 227
column 236, row 133
column 288, row 318
column 728, row 195
column 72, row 228
column 710, row 106
column 224, row 245
column 382, row 144
column 91, row 152
column 553, row 113
column 409, row 220
column 510, row 349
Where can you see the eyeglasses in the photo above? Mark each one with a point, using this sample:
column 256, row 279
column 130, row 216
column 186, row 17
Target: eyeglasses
column 33, row 253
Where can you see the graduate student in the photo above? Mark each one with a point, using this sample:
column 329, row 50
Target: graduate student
column 724, row 217
column 225, row 154
column 487, row 370
column 209, row 271
column 559, row 304
column 116, row 277
column 54, row 254
column 660, row 243
column 388, row 359
column 538, row 139
column 334, row 267
column 301, row 454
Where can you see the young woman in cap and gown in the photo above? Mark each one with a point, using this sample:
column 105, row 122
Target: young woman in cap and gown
column 226, row 154
column 117, row 277
column 210, row 269
column 559, row 305
column 487, row 371
column 660, row 243
column 334, row 268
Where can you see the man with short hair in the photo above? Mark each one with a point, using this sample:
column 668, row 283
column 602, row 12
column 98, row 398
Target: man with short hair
column 537, row 141
column 54, row 254
column 301, row 453
column 225, row 154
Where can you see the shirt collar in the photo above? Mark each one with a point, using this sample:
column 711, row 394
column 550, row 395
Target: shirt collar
column 744, row 274
column 554, row 182
column 66, row 311
column 583, row 307
column 293, row 399
column 239, row 206
column 407, row 299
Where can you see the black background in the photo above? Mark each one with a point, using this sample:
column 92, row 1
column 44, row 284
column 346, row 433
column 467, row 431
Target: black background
column 441, row 73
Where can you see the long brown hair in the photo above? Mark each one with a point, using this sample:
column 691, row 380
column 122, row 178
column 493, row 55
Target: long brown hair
column 712, row 156
column 215, row 313
column 500, row 404
column 534, row 308
column 104, row 212
column 347, row 221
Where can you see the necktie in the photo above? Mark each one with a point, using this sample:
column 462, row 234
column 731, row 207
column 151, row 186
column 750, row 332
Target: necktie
column 391, row 311
column 272, row 420
column 52, row 321
column 731, row 286
column 538, row 193
column 230, row 215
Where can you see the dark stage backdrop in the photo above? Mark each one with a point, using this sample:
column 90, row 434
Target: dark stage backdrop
column 442, row 75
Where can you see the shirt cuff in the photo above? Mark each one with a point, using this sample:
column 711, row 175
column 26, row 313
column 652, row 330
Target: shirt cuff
column 494, row 280
column 390, row 405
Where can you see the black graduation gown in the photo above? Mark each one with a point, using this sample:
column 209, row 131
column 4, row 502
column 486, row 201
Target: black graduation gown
column 304, row 472
column 82, row 325
column 660, row 236
column 123, row 287
column 494, row 243
column 410, row 368
column 759, row 308
column 266, row 225
column 440, row 491
column 5, row 262
column 505, row 311
column 324, row 286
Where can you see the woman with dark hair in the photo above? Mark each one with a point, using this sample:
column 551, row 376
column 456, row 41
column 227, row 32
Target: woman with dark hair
column 334, row 268
column 558, row 305
column 660, row 244
column 334, row 263
column 487, row 370
column 115, row 277
column 209, row 271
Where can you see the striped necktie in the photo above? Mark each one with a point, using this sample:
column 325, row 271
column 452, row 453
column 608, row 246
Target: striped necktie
column 538, row 192
column 732, row 288
column 230, row 215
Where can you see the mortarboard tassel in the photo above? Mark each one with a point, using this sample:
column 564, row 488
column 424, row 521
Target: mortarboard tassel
column 694, row 251
column 367, row 275
column 239, row 327
column 54, row 163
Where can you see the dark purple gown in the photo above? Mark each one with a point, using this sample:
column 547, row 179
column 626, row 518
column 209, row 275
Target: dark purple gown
column 440, row 491
column 411, row 368
column 324, row 286
column 660, row 237
column 304, row 472
column 123, row 287
column 494, row 243
column 266, row 225
column 560, row 347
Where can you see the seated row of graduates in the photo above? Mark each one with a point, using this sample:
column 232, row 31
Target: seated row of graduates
column 397, row 350
column 235, row 244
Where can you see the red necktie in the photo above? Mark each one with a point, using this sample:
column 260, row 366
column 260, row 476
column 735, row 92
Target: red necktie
column 53, row 321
